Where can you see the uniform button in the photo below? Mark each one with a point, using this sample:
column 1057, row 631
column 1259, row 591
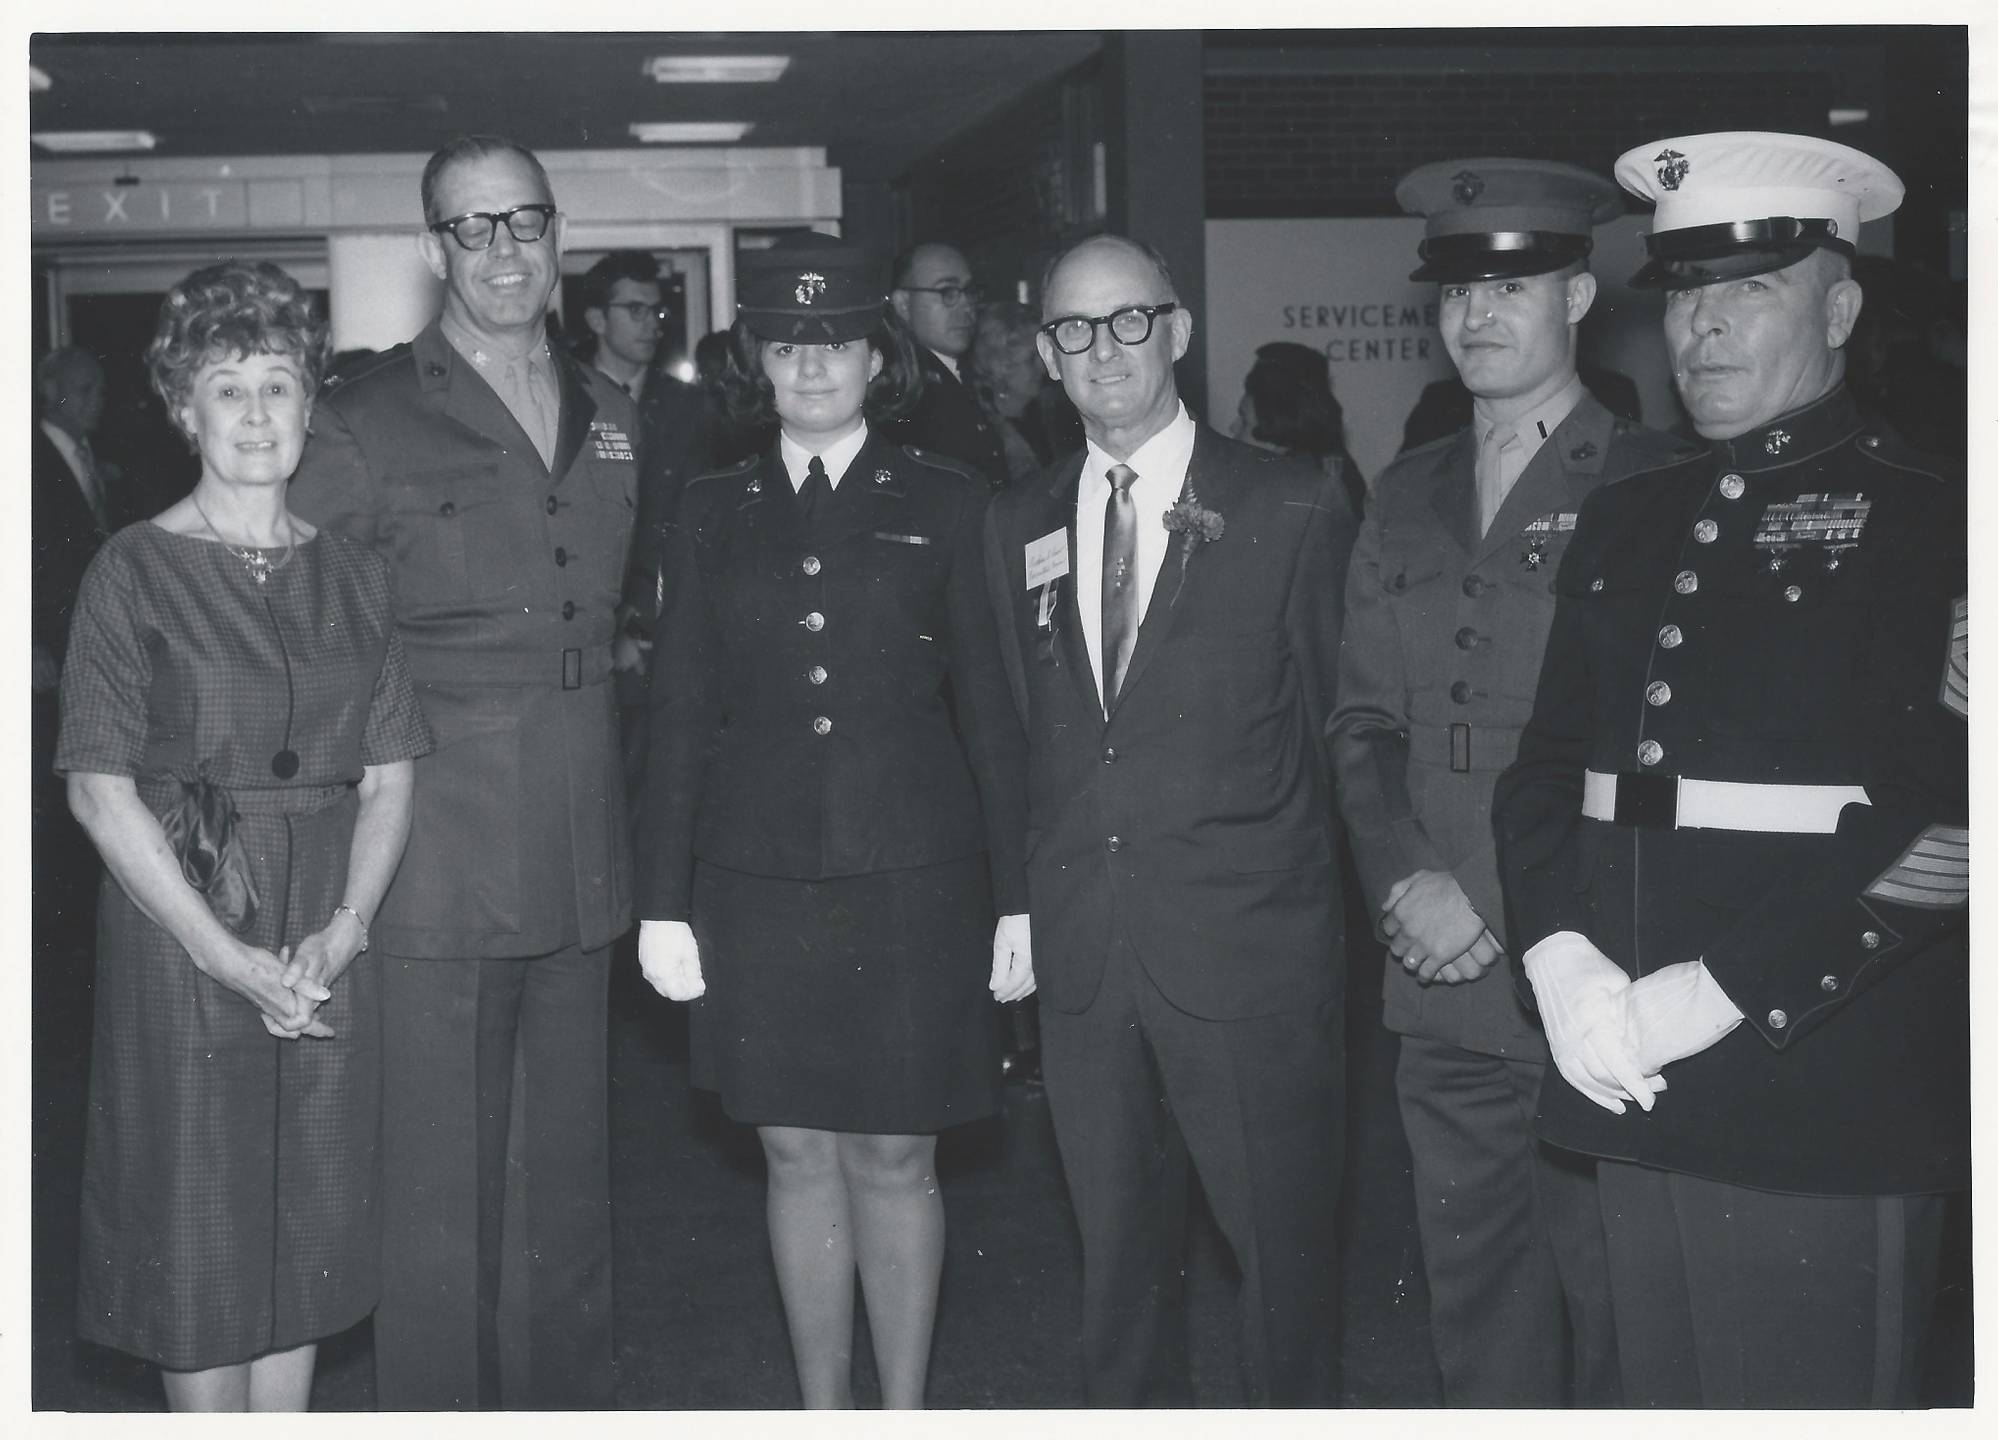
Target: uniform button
column 1658, row 693
column 1871, row 442
column 817, row 674
column 1732, row 486
column 1467, row 639
column 1829, row 984
column 1671, row 637
column 810, row 564
column 550, row 506
column 447, row 508
column 1461, row 692
column 1685, row 582
column 1596, row 586
column 1113, row 844
column 822, row 725
column 1793, row 593
column 1870, row 940
column 1474, row 586
column 1109, row 756
column 1650, row 753
column 815, row 622
column 1399, row 583
column 1706, row 532
column 1778, row 1019
column 568, row 609
column 561, row 555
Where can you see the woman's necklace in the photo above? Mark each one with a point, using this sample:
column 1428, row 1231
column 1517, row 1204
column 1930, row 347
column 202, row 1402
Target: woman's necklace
column 259, row 565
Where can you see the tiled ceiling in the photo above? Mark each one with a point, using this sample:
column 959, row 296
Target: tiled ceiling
column 877, row 102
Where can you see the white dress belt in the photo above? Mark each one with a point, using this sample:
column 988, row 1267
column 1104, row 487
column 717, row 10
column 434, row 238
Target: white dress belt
column 1729, row 804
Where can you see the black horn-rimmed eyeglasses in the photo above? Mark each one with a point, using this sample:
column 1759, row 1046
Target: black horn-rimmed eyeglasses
column 1073, row 334
column 477, row 229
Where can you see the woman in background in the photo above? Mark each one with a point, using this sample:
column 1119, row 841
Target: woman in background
column 1288, row 406
column 1036, row 424
column 238, row 727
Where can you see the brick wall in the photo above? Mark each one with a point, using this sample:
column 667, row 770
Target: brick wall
column 1292, row 145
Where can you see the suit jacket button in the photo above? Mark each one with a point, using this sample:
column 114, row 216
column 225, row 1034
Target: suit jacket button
column 1650, row 753
column 821, row 725
column 568, row 609
column 1399, row 583
column 1731, row 487
column 1870, row 940
column 1670, row 637
column 1778, row 1019
column 447, row 509
column 1467, row 639
column 1658, row 693
column 1706, row 532
column 561, row 555
column 1686, row 582
column 1113, row 844
column 815, row 622
column 1109, row 756
column 810, row 564
column 1461, row 692
column 1829, row 984
column 550, row 506
column 1474, row 586
column 817, row 674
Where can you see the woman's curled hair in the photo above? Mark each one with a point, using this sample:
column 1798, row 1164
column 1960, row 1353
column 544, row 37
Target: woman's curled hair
column 893, row 393
column 229, row 310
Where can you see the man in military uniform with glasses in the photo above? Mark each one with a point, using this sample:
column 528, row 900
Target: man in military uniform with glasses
column 937, row 298
column 1735, row 843
column 497, row 476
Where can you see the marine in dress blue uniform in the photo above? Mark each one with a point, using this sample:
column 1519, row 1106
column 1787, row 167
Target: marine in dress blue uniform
column 1448, row 604
column 1735, row 841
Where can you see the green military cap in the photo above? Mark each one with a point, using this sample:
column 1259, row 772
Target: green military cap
column 1501, row 218
column 809, row 289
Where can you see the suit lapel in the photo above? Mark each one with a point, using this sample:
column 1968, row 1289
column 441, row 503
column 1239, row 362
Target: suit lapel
column 578, row 409
column 456, row 387
column 1181, row 564
column 1453, row 489
column 1070, row 649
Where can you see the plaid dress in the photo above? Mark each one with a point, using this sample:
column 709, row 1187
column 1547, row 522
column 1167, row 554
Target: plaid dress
column 229, row 1176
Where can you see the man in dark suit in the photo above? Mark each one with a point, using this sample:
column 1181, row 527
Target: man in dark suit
column 1447, row 608
column 934, row 293
column 1736, row 841
column 1170, row 606
column 497, row 476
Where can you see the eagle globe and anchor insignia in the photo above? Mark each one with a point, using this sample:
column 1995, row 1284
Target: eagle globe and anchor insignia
column 1672, row 168
column 1467, row 187
column 810, row 285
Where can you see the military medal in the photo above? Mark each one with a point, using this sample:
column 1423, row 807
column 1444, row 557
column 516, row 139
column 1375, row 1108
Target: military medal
column 1834, row 523
column 1537, row 530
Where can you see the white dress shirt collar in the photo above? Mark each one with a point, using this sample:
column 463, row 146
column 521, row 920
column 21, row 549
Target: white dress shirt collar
column 837, row 456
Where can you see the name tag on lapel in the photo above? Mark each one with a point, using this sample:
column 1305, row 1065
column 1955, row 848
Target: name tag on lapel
column 611, row 443
column 1047, row 558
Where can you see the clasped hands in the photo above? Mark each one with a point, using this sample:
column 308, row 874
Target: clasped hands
column 671, row 959
column 1430, row 926
column 288, row 987
column 1610, row 1036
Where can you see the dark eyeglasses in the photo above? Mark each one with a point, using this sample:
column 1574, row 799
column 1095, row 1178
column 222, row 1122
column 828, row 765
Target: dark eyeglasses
column 951, row 295
column 1073, row 334
column 476, row 231
column 637, row 310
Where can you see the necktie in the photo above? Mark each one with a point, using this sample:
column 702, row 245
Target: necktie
column 1120, row 579
column 92, row 484
column 816, row 493
column 1491, row 474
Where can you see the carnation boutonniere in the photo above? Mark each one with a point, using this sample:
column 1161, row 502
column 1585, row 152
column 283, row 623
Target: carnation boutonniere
column 1196, row 525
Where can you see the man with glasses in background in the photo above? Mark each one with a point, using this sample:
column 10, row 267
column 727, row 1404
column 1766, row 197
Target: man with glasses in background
column 1169, row 606
column 936, row 297
column 498, row 478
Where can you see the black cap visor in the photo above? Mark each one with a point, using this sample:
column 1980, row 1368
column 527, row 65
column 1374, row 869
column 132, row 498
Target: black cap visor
column 1501, row 255
column 1706, row 254
column 810, row 327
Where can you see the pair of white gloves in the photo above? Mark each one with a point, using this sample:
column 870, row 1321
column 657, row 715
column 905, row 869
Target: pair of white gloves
column 1610, row 1036
column 671, row 959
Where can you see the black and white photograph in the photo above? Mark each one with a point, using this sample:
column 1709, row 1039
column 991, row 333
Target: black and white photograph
column 1242, row 711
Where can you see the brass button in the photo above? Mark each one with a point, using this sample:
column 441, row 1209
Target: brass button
column 1467, row 639
column 1870, row 940
column 1461, row 692
column 1596, row 585
column 1829, row 984
column 817, row 674
column 1474, row 586
column 1706, row 532
column 822, row 725
column 815, row 622
column 810, row 565
column 1685, row 582
column 1732, row 486
column 1671, row 636
column 1650, row 753
column 568, row 609
column 1113, row 844
column 1658, row 693
column 1793, row 593
column 1778, row 1019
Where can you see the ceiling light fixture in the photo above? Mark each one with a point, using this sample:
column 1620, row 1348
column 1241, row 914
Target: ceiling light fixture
column 93, row 142
column 1843, row 116
column 690, row 132
column 717, row 69
column 38, row 80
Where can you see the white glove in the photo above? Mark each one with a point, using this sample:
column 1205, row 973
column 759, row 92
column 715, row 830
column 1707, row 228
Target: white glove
column 1583, row 1000
column 1012, row 959
column 671, row 958
column 1675, row 1012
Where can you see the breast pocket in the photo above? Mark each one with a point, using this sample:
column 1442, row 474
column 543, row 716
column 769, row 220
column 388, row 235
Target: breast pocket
column 427, row 524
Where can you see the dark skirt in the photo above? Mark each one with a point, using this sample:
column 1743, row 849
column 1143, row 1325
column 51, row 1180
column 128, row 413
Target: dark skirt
column 229, row 1176
column 859, row 1004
